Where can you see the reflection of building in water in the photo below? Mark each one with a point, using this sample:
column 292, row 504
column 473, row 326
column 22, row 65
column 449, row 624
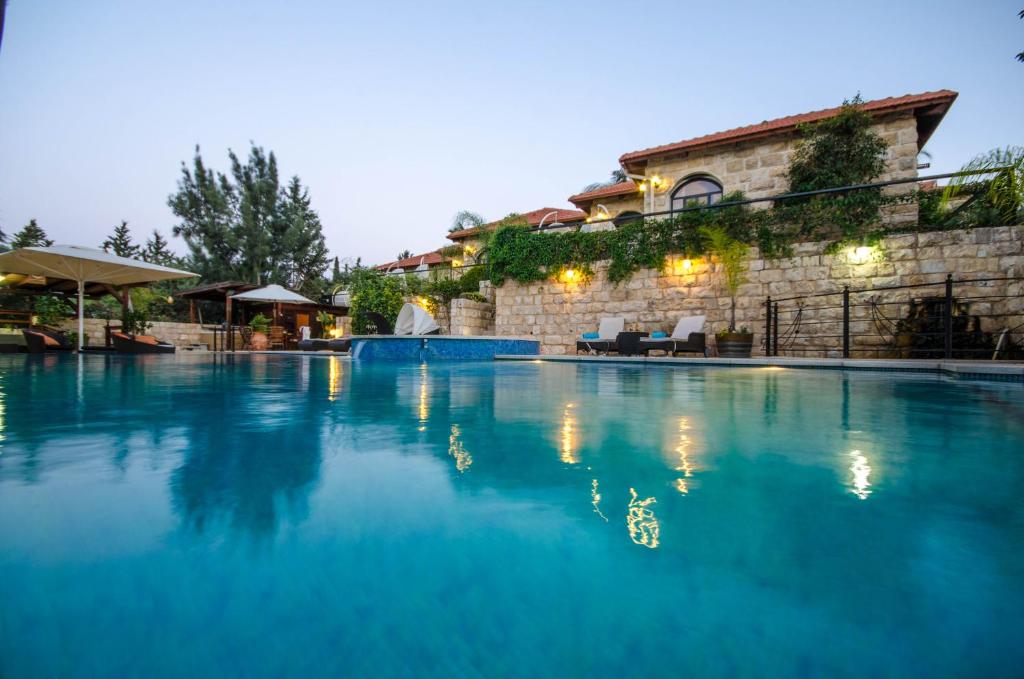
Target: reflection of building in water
column 333, row 377
column 3, row 420
column 861, row 473
column 595, row 499
column 683, row 464
column 641, row 522
column 569, row 443
column 455, row 448
column 424, row 410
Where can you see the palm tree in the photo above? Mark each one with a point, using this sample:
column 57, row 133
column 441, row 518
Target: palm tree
column 464, row 219
column 1005, row 190
column 616, row 176
column 3, row 7
column 1020, row 55
column 404, row 254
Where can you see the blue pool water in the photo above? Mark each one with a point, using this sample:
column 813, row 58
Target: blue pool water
column 306, row 516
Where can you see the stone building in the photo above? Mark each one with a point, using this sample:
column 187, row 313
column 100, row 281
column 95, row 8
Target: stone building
column 752, row 159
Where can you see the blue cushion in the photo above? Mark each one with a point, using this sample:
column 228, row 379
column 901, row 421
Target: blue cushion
column 591, row 335
column 658, row 334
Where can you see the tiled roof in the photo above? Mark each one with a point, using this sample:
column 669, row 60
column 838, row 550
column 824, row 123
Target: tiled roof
column 621, row 189
column 429, row 258
column 533, row 218
column 779, row 125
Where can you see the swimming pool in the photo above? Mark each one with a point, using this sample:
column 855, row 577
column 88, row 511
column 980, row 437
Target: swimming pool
column 292, row 516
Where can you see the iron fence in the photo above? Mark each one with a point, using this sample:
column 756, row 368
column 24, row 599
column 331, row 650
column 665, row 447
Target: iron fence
column 970, row 318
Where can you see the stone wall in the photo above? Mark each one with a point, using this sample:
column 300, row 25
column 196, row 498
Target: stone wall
column 178, row 334
column 469, row 317
column 559, row 312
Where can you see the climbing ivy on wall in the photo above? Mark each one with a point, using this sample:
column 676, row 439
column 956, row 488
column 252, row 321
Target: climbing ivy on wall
column 524, row 256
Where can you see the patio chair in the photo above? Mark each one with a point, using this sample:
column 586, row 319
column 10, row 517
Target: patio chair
column 276, row 338
column 604, row 339
column 246, row 334
column 686, row 337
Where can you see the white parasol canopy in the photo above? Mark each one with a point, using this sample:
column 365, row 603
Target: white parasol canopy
column 85, row 265
column 273, row 294
column 414, row 320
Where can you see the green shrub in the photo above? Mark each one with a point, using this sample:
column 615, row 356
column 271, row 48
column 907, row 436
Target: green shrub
column 373, row 291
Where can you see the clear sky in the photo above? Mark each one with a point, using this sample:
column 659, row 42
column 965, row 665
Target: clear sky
column 397, row 115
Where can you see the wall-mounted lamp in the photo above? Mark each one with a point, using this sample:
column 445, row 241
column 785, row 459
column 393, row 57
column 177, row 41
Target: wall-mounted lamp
column 861, row 254
column 602, row 213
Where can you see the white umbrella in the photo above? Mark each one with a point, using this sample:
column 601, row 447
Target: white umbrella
column 85, row 265
column 272, row 293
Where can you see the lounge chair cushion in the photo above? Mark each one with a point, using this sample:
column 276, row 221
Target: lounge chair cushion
column 686, row 325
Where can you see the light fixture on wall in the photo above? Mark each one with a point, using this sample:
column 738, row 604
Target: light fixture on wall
column 603, row 214
column 861, row 254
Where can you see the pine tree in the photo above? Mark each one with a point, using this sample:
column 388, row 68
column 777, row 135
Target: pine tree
column 120, row 242
column 336, row 271
column 244, row 226
column 305, row 261
column 31, row 235
column 157, row 251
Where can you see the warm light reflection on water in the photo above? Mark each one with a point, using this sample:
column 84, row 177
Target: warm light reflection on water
column 333, row 378
column 3, row 420
column 641, row 522
column 569, row 443
column 456, row 449
column 683, row 456
column 595, row 499
column 423, row 411
column 861, row 474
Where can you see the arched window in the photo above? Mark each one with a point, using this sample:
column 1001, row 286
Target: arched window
column 626, row 218
column 696, row 192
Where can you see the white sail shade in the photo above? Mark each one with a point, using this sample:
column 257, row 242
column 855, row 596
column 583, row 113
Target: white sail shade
column 414, row 320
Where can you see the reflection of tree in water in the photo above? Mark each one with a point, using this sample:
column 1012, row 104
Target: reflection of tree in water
column 242, row 469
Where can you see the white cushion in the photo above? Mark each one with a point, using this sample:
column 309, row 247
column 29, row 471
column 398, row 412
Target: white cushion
column 610, row 328
column 304, row 332
column 686, row 325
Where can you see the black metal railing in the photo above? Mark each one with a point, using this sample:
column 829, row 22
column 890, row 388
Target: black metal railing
column 976, row 318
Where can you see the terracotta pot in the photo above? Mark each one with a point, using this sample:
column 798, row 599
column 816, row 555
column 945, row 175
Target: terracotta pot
column 260, row 341
column 734, row 344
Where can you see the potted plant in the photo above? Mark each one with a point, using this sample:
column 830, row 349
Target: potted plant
column 731, row 255
column 260, row 326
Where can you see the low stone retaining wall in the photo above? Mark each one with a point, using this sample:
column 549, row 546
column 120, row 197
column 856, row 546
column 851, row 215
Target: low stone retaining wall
column 469, row 317
column 178, row 334
column 558, row 312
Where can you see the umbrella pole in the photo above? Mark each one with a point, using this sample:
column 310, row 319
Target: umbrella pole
column 81, row 314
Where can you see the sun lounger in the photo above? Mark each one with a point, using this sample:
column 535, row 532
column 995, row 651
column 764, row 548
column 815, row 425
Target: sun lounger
column 603, row 341
column 140, row 344
column 687, row 337
column 307, row 343
column 38, row 341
